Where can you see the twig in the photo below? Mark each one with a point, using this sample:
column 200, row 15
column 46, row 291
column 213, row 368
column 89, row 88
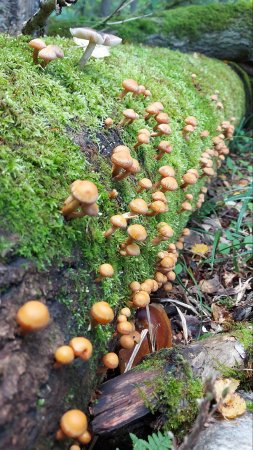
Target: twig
column 99, row 24
column 177, row 302
column 135, row 351
column 129, row 20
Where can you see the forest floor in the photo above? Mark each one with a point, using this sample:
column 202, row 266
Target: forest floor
column 214, row 272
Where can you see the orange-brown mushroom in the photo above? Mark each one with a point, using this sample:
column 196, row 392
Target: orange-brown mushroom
column 161, row 117
column 85, row 438
column 37, row 45
column 168, row 184
column 74, row 423
column 162, row 129
column 64, row 355
column 164, row 232
column 84, row 193
column 124, row 327
column 102, row 313
column 117, row 222
column 108, row 122
column 144, row 184
column 125, row 311
column 141, row 299
column 33, row 316
column 121, row 160
column 135, row 232
column 164, row 147
column 82, row 347
column 129, row 85
column 105, row 271
column 129, row 116
column 110, row 360
column 157, row 207
column 136, row 206
column 142, row 139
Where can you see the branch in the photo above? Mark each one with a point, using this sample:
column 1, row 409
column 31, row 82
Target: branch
column 119, row 8
column 129, row 20
column 37, row 22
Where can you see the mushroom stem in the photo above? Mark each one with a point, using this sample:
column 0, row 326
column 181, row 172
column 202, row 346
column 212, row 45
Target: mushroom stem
column 35, row 56
column 121, row 175
column 70, row 206
column 109, row 232
column 87, row 54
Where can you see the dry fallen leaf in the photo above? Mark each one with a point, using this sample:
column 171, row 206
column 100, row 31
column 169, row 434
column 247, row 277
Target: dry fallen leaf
column 231, row 404
column 210, row 286
column 220, row 314
column 200, row 249
column 233, row 407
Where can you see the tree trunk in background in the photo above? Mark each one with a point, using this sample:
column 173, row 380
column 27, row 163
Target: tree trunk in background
column 105, row 8
column 133, row 6
column 13, row 13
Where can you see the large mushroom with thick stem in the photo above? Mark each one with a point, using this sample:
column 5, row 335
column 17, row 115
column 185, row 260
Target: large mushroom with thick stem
column 84, row 193
column 94, row 38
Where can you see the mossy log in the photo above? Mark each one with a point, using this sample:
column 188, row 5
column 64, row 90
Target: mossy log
column 221, row 31
column 52, row 133
column 137, row 398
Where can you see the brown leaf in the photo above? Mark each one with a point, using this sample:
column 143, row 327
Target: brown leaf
column 220, row 314
column 210, row 286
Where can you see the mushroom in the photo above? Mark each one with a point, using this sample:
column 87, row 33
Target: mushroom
column 142, row 139
column 147, row 93
column 64, row 355
column 157, row 207
column 81, row 347
column 204, row 134
column 164, row 171
column 179, row 245
column 124, row 327
column 159, row 196
column 108, row 122
column 164, row 232
column 172, row 248
column 95, row 38
column 125, row 311
column 33, row 316
column 168, row 287
column 144, row 184
column 163, row 147
column 153, row 109
column 136, row 206
column 162, row 129
column 85, row 438
column 127, row 341
column 186, row 232
column 188, row 179
column 113, row 194
column 131, row 250
column 36, row 44
column 189, row 197
column 135, row 232
column 186, row 206
column 141, row 299
column 83, row 193
column 135, row 286
column 105, row 271
column 208, row 171
column 121, row 318
column 171, row 276
column 121, row 160
column 190, row 120
column 160, row 118
column 219, row 105
column 141, row 90
column 168, row 184
column 73, row 423
column 117, row 221
column 101, row 313
column 47, row 54
column 187, row 130
column 135, row 168
column 129, row 116
column 110, row 360
column 129, row 85
column 75, row 447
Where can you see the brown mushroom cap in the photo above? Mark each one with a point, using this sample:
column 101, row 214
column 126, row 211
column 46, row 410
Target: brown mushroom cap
column 108, row 122
column 152, row 109
column 124, row 327
column 166, row 231
column 190, row 120
column 121, row 148
column 162, row 117
column 186, row 232
column 137, row 232
column 33, row 316
column 166, row 171
column 189, row 178
column 143, row 138
column 158, row 207
column 163, row 128
column 144, row 131
column 135, row 286
column 111, row 360
column 135, row 167
column 141, row 299
column 106, row 270
column 164, row 146
column 47, row 54
column 58, row 51
column 167, row 262
column 125, row 311
column 102, row 313
column 130, row 114
column 118, row 221
column 127, row 341
column 138, row 206
column 186, row 206
column 122, row 159
column 85, row 438
column 145, row 183
column 74, row 423
column 37, row 44
column 75, row 447
column 84, row 191
column 194, row 171
column 159, row 196
column 169, row 184
column 81, row 347
column 121, row 318
column 159, row 105
column 133, row 250
column 130, row 85
column 64, row 354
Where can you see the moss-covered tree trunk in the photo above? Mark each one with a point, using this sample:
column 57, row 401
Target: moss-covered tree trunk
column 52, row 134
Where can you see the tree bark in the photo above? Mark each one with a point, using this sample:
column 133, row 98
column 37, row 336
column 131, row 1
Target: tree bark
column 120, row 404
column 13, row 14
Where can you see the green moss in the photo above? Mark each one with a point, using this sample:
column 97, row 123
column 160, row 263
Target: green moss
column 174, row 394
column 44, row 113
column 249, row 405
column 243, row 332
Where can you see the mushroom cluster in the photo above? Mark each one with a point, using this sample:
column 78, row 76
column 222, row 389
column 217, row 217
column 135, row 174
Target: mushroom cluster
column 189, row 128
column 82, row 201
column 45, row 52
column 78, row 347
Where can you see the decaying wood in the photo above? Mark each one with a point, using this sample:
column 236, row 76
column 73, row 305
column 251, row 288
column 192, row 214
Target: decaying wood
column 121, row 402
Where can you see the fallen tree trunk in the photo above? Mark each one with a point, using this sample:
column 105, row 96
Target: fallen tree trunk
column 125, row 402
column 222, row 31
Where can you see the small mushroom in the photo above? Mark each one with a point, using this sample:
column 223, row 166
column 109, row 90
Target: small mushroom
column 73, row 423
column 36, row 44
column 131, row 250
column 164, row 232
column 163, row 147
column 33, row 316
column 186, row 232
column 186, row 206
column 160, row 118
column 129, row 116
column 129, row 85
column 47, row 54
column 142, row 139
column 113, row 194
column 187, row 130
column 126, row 341
column 190, row 120
column 102, row 313
column 204, row 134
column 161, row 129
column 171, row 276
column 144, row 184
column 117, row 221
column 159, row 196
column 125, row 311
column 75, row 447
column 136, row 206
column 153, row 109
column 121, row 160
column 81, row 347
column 105, row 271
column 95, row 38
column 85, row 438
column 83, row 193
column 132, row 170
column 111, row 360
column 157, row 207
column 188, row 180
column 64, row 355
column 169, row 184
column 141, row 299
column 135, row 286
column 108, row 122
column 124, row 327
column 147, row 93
column 135, row 232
